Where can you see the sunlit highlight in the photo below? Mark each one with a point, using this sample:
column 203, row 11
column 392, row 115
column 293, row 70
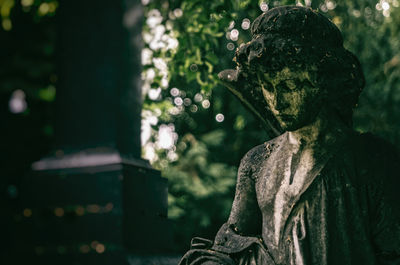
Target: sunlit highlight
column 264, row 7
column 219, row 117
column 246, row 24
column 17, row 103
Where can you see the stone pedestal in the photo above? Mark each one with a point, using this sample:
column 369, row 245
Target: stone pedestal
column 91, row 207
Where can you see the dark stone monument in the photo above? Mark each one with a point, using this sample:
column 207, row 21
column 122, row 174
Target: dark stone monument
column 94, row 200
column 318, row 192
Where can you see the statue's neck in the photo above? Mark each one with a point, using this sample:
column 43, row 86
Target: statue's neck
column 325, row 131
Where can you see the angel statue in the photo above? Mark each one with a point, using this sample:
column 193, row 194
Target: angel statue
column 318, row 193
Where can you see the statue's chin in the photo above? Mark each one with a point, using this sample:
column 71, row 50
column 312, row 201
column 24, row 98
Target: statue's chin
column 291, row 123
column 290, row 128
column 288, row 123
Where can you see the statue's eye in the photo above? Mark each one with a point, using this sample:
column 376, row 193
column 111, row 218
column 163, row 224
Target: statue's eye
column 294, row 85
column 288, row 85
column 291, row 84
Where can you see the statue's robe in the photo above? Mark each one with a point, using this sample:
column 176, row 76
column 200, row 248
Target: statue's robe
column 341, row 209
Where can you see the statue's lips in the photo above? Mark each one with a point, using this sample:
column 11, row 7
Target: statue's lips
column 285, row 117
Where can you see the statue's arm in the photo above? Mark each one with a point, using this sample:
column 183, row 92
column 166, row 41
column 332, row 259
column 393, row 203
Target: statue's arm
column 245, row 216
column 240, row 232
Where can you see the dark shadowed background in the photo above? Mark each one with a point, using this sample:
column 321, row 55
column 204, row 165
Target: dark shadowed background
column 193, row 130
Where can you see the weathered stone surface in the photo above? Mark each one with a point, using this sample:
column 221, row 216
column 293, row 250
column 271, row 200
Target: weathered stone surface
column 319, row 192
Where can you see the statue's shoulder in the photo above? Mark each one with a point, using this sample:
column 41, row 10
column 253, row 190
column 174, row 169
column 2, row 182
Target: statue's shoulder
column 377, row 161
column 258, row 154
column 375, row 149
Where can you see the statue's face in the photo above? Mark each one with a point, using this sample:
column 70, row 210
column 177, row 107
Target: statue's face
column 292, row 96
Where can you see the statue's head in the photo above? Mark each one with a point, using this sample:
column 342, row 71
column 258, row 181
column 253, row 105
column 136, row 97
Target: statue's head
column 294, row 66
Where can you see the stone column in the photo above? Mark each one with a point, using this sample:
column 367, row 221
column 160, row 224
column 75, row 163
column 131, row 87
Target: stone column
column 98, row 92
column 94, row 200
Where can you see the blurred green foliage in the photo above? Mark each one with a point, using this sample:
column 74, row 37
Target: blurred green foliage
column 195, row 131
column 27, row 88
column 208, row 152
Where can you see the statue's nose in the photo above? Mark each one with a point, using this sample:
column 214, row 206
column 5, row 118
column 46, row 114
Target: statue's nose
column 281, row 102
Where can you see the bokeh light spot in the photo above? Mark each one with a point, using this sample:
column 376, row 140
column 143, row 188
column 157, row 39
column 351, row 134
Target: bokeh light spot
column 356, row 13
column 246, row 24
column 264, row 7
column 187, row 101
column 178, row 12
column 109, row 206
column 26, row 3
column 206, row 104
column 100, row 248
column 198, row 97
column 234, row 34
column 84, row 249
column 231, row 25
column 154, row 94
column 94, row 244
column 17, row 103
column 174, row 91
column 80, row 211
column 178, row 101
column 12, row 191
column 7, row 25
column 193, row 108
column 27, row 212
column 219, row 117
column 194, row 67
column 230, row 46
column 93, row 208
column 166, row 136
column 386, row 13
column 385, row 6
column 330, row 5
column 59, row 212
column 44, row 8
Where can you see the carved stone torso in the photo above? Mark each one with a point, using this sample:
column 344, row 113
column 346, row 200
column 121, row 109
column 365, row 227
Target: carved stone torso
column 341, row 214
column 279, row 184
column 313, row 208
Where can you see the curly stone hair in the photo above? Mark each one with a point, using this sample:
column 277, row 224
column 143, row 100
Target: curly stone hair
column 296, row 37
